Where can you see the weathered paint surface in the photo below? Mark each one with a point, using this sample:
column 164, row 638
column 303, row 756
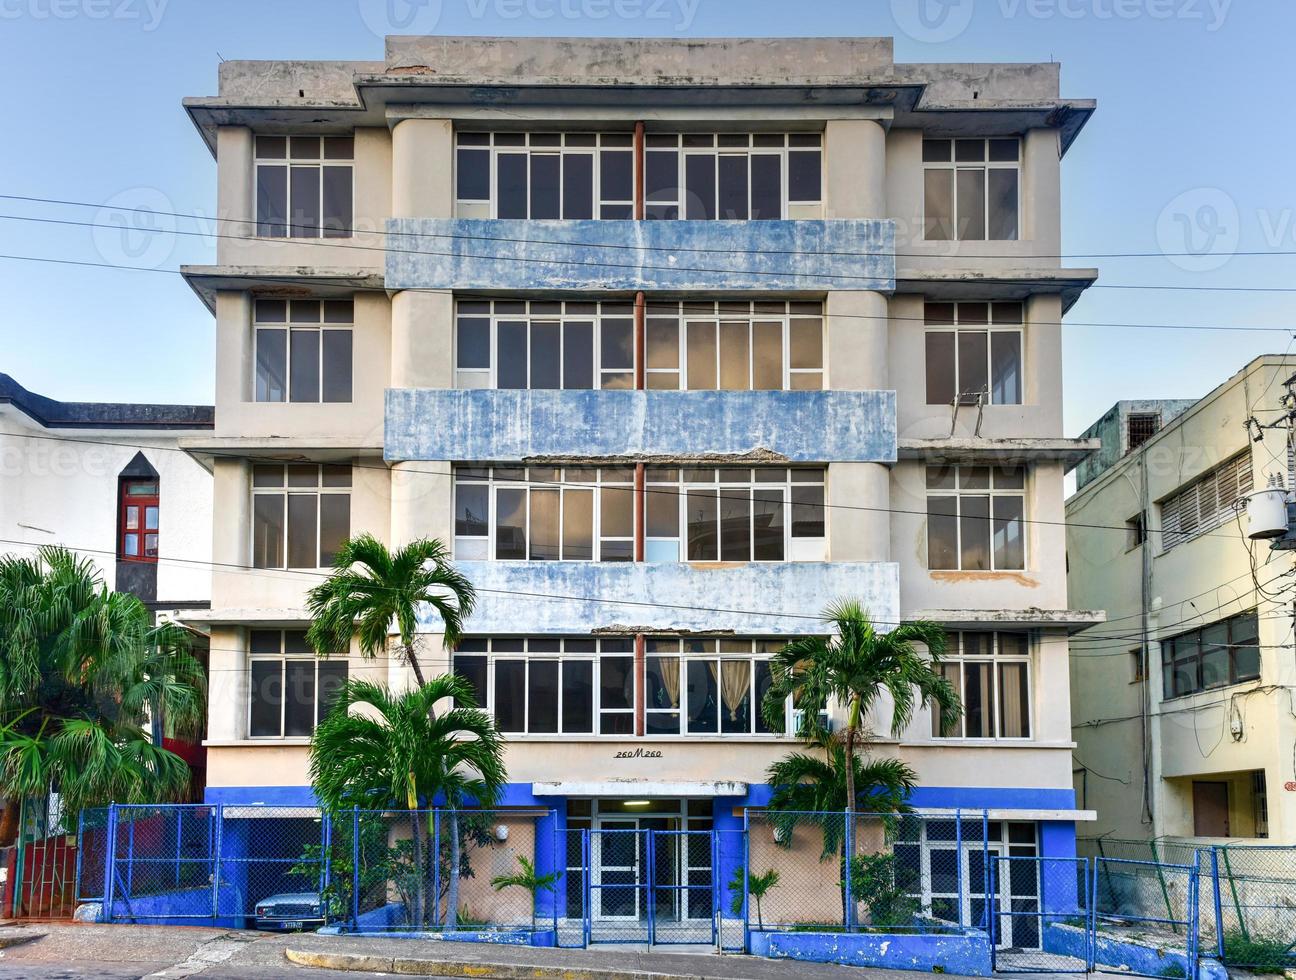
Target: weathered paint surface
column 472, row 253
column 802, row 426
column 968, row 955
column 1126, row 955
column 752, row 599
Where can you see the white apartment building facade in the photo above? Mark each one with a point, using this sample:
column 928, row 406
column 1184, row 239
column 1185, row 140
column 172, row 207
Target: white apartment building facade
column 673, row 343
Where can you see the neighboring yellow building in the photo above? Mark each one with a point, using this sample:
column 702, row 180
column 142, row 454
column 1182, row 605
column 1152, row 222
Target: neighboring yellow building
column 1182, row 703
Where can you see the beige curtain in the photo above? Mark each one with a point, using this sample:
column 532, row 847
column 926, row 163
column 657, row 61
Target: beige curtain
column 1012, row 681
column 670, row 676
column 735, row 685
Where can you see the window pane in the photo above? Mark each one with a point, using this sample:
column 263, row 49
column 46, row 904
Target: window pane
column 510, row 523
column 971, row 205
column 542, row 693
column 976, row 700
column 938, row 205
column 616, row 682
column 662, row 512
column 335, row 525
column 511, row 354
column 974, row 532
column 267, row 530
column 972, row 375
column 806, row 344
column 616, row 175
column 302, row 515
column 272, row 365
column 700, row 186
column 304, row 202
column 578, row 355
column 1214, row 655
column 299, row 697
column 940, row 368
column 735, row 696
column 304, row 368
column 1005, row 368
column 767, row 525
column 1014, row 701
column 471, row 516
column 807, row 512
column 764, row 681
column 578, row 525
column 544, row 525
column 272, row 201
column 767, row 356
column 472, row 343
column 472, row 175
column 337, row 366
column 703, row 539
column 701, row 356
column 510, row 695
column 266, row 696
column 766, row 186
column 617, row 344
column 953, row 673
column 735, row 356
column 578, row 186
column 735, row 524
column 662, row 341
column 473, row 670
column 733, row 188
column 1244, row 636
column 511, row 185
column 545, row 355
column 1009, row 533
column 337, row 202
column 545, row 169
column 805, row 176
column 703, row 697
column 577, row 696
column 1003, row 204
column 616, row 512
column 942, row 532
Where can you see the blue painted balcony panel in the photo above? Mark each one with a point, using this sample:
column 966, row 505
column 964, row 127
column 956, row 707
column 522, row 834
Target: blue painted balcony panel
column 508, row 254
column 481, row 425
column 751, row 599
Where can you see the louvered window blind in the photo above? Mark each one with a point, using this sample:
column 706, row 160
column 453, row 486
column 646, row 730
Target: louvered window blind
column 1207, row 503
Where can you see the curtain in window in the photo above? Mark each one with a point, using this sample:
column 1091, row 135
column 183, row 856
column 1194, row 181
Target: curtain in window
column 735, row 684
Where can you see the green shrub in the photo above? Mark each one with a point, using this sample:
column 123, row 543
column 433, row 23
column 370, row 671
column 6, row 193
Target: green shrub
column 1258, row 953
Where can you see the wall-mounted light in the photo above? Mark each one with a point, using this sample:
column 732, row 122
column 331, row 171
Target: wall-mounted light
column 501, row 832
column 637, row 803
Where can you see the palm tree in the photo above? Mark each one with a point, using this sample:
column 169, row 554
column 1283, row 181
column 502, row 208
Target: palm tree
column 853, row 667
column 396, row 753
column 528, row 879
column 83, row 671
column 372, row 588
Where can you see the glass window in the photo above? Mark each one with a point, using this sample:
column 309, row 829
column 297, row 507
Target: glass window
column 973, row 194
column 138, row 520
column 303, row 350
column 974, row 353
column 1218, row 655
column 991, row 673
column 299, row 521
column 306, row 193
column 288, row 693
column 976, row 518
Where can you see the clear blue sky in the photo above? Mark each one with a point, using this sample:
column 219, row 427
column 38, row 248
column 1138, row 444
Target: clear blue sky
column 1190, row 102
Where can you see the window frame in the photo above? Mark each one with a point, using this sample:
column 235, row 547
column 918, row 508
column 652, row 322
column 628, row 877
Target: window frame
column 143, row 502
column 991, row 326
column 994, row 705
column 287, row 327
column 992, row 492
column 283, row 658
column 285, row 490
column 287, row 162
column 1170, row 658
column 953, row 166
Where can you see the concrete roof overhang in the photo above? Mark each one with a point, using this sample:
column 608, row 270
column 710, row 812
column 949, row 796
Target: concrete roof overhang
column 997, row 451
column 974, row 284
column 1071, row 620
column 307, row 281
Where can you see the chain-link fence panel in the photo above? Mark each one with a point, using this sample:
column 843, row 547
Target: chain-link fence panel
column 92, row 853
column 618, row 883
column 1148, row 904
column 270, row 867
column 731, row 862
column 1040, row 914
column 1253, row 896
column 793, row 872
column 162, row 863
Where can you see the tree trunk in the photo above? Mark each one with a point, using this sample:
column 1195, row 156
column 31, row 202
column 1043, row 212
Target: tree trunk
column 412, row 659
column 417, row 917
column 456, row 858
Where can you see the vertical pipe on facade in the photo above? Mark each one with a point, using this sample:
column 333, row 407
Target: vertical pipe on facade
column 640, row 669
column 640, row 516
column 639, row 171
column 640, row 341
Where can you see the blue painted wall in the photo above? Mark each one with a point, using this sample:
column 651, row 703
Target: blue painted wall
column 967, row 955
column 464, row 253
column 802, row 426
column 765, row 599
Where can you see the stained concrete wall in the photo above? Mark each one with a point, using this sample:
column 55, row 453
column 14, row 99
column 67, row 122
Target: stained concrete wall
column 481, row 424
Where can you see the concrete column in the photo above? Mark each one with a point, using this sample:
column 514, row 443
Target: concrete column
column 859, row 520
column 857, row 340
column 231, row 530
column 423, row 169
column 1041, row 192
column 234, row 354
column 422, row 339
column 422, row 501
column 227, row 686
column 855, row 169
column 234, row 183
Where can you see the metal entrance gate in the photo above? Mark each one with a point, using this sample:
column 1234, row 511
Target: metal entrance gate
column 650, row 886
column 1155, row 900
column 1040, row 920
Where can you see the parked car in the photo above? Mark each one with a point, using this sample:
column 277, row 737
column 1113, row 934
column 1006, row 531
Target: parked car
column 289, row 912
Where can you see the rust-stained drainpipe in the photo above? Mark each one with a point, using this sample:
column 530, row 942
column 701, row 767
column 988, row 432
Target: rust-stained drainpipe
column 639, row 171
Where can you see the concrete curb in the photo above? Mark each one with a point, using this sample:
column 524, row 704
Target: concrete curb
column 413, row 966
column 12, row 937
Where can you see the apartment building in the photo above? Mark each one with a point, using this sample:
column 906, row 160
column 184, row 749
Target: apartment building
column 1181, row 703
column 673, row 342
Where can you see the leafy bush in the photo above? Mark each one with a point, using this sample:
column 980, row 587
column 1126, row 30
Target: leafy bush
column 1258, row 953
column 873, row 883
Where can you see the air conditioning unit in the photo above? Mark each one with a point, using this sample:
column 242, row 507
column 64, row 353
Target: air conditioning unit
column 798, row 721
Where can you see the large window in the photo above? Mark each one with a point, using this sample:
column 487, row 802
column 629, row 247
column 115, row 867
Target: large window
column 770, row 513
column 545, row 175
column 544, row 513
column 731, row 176
column 303, row 350
column 974, row 353
column 290, row 689
column 549, row 344
column 976, row 518
column 1207, row 503
column 1223, row 653
column 992, row 674
column 971, row 189
column 304, row 186
column 301, row 514
column 734, row 346
column 138, row 524
column 585, row 686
